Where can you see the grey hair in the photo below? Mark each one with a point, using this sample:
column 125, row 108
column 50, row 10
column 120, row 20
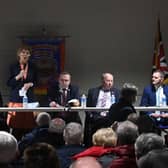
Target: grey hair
column 146, row 142
column 129, row 89
column 8, row 147
column 73, row 133
column 43, row 118
column 127, row 132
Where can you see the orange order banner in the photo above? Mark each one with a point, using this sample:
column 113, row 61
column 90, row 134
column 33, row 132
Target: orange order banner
column 23, row 120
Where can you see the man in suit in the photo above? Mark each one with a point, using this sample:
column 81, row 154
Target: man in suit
column 60, row 92
column 101, row 96
column 156, row 94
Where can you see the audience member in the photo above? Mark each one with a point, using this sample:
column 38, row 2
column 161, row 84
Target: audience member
column 41, row 155
column 104, row 139
column 154, row 159
column 150, row 151
column 89, row 162
column 127, row 132
column 147, row 142
column 73, row 137
column 120, row 110
column 43, row 119
column 52, row 134
column 156, row 94
column 22, row 76
column 59, row 93
column 100, row 96
column 145, row 124
column 133, row 117
column 8, row 149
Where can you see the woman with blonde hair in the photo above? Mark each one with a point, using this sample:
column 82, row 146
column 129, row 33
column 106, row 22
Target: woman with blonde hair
column 104, row 140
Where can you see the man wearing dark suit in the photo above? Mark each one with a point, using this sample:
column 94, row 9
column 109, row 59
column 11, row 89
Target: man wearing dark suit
column 60, row 92
column 156, row 94
column 101, row 96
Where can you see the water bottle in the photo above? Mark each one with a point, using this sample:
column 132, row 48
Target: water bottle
column 25, row 101
column 113, row 99
column 83, row 101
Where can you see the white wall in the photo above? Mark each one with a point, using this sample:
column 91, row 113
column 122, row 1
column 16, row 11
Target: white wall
column 110, row 35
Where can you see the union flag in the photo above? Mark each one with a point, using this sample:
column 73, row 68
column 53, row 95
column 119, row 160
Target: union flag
column 159, row 60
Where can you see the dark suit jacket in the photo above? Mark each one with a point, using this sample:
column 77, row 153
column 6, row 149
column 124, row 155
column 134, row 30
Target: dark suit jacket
column 93, row 94
column 94, row 120
column 54, row 93
column 120, row 111
column 149, row 95
column 17, row 85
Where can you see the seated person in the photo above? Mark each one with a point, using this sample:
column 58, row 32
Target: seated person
column 41, row 155
column 8, row 149
column 73, row 137
column 156, row 94
column 52, row 135
column 104, row 139
column 119, row 111
column 150, row 151
column 59, row 93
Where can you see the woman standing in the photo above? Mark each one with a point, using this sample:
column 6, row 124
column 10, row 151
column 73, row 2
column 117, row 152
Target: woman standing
column 22, row 76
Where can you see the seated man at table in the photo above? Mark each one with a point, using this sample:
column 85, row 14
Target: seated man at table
column 60, row 93
column 156, row 94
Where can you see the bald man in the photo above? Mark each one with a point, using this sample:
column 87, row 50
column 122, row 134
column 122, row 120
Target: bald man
column 86, row 162
column 102, row 96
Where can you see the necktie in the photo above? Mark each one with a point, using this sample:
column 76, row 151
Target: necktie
column 64, row 97
column 104, row 99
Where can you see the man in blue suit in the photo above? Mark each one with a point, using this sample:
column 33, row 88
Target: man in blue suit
column 156, row 94
column 101, row 96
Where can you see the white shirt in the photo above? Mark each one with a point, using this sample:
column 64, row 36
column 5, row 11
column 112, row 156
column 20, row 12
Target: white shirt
column 104, row 99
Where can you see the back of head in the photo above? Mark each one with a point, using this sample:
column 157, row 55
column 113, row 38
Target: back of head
column 41, row 155
column 8, row 147
column 146, row 124
column 154, row 159
column 129, row 92
column 147, row 142
column 43, row 119
column 57, row 125
column 86, row 162
column 127, row 132
column 104, row 137
column 133, row 117
column 73, row 133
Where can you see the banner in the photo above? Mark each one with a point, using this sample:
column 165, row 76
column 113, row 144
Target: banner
column 159, row 60
column 49, row 56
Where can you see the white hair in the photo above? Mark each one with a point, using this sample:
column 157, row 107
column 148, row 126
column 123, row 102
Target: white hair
column 8, row 147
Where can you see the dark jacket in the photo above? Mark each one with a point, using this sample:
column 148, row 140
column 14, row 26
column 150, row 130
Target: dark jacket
column 54, row 93
column 154, row 159
column 120, row 111
column 94, row 120
column 93, row 94
column 40, row 134
column 66, row 152
column 17, row 85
